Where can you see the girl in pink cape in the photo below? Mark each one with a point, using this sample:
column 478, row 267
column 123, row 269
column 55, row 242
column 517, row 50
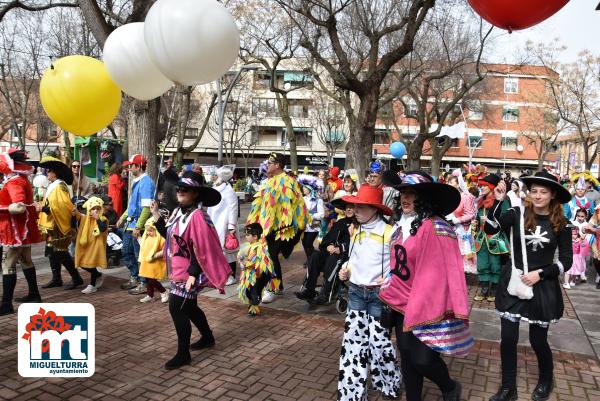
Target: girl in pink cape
column 427, row 286
column 194, row 260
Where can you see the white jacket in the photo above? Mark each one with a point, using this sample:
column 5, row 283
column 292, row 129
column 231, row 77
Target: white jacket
column 224, row 216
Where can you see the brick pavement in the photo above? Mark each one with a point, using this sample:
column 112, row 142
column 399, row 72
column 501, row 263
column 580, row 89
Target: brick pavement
column 280, row 356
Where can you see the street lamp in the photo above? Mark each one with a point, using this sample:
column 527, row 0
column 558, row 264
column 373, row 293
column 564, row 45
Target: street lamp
column 222, row 104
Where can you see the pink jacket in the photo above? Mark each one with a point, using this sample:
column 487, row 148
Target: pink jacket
column 466, row 210
column 435, row 288
column 197, row 235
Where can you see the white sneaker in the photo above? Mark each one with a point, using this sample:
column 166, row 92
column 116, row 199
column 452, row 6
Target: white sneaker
column 567, row 286
column 99, row 281
column 231, row 280
column 268, row 297
column 164, row 297
column 147, row 298
column 90, row 289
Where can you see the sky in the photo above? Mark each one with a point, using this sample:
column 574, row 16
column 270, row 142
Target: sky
column 577, row 25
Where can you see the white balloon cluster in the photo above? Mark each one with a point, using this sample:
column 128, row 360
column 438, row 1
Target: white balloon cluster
column 188, row 42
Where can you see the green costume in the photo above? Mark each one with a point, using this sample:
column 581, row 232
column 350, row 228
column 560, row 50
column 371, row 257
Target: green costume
column 489, row 248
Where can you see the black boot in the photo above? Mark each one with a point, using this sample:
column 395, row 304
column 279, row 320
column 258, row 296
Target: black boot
column 306, row 294
column 323, row 296
column 453, row 395
column 33, row 294
column 76, row 279
column 180, row 359
column 542, row 391
column 204, row 342
column 9, row 281
column 56, row 280
column 505, row 394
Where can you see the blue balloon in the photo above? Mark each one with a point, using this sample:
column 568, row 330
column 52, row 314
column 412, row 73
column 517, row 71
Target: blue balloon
column 397, row 149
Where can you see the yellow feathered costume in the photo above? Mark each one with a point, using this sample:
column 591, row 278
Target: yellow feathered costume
column 55, row 225
column 587, row 176
column 279, row 208
column 151, row 267
column 90, row 246
column 255, row 262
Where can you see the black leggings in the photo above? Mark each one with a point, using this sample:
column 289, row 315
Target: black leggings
column 596, row 263
column 308, row 241
column 183, row 311
column 94, row 273
column 64, row 258
column 418, row 361
column 538, row 338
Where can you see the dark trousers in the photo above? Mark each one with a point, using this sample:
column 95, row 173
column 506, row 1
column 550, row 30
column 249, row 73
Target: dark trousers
column 62, row 258
column 233, row 266
column 153, row 284
column 254, row 293
column 274, row 251
column 320, row 261
column 419, row 361
column 538, row 338
column 183, row 311
column 308, row 241
column 94, row 273
column 596, row 263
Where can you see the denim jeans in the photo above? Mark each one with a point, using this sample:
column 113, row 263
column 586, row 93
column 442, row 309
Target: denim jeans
column 130, row 253
column 364, row 299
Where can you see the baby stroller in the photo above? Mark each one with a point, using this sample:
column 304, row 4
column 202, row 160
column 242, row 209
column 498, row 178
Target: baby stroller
column 114, row 244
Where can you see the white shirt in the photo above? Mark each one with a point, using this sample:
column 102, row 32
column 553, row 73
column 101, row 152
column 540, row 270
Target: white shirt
column 405, row 223
column 370, row 253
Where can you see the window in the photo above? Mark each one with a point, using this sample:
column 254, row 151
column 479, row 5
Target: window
column 410, row 111
column 232, row 107
column 511, row 85
column 262, row 80
column 264, row 107
column 267, row 136
column 386, row 111
column 550, row 147
column 510, row 114
column 381, row 137
column 454, row 143
column 408, row 137
column 194, row 105
column 476, row 111
column 335, row 137
column 474, row 141
column 509, row 143
column 191, row 133
column 299, row 108
column 303, row 137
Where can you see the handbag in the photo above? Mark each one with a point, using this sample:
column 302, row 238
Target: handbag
column 231, row 242
column 516, row 287
column 449, row 336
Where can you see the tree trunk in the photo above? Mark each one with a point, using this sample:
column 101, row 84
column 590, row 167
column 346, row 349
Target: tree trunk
column 141, row 138
column 359, row 149
column 284, row 111
column 92, row 14
column 68, row 151
column 415, row 151
column 436, row 160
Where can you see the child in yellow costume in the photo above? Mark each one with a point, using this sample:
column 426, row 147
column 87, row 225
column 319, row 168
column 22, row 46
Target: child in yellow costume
column 257, row 269
column 152, row 264
column 90, row 245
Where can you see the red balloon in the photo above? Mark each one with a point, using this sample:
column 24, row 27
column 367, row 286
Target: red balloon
column 513, row 15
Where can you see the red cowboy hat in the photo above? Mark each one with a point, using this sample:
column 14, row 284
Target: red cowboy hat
column 368, row 195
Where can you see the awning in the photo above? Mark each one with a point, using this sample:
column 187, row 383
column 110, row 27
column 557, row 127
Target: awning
column 297, row 77
column 512, row 134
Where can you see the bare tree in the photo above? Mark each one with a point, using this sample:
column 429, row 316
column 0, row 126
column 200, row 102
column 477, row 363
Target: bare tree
column 575, row 94
column 329, row 122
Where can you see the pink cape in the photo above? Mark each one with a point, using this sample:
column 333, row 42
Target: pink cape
column 436, row 289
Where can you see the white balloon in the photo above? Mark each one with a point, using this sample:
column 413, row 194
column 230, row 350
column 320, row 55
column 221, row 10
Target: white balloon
column 191, row 41
column 126, row 58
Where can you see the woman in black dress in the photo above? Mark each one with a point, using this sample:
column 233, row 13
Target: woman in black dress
column 540, row 228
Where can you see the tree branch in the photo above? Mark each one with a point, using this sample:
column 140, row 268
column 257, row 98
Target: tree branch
column 19, row 4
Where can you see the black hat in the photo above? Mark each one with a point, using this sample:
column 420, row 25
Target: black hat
column 208, row 196
column 339, row 203
column 442, row 198
column 548, row 180
column 493, row 179
column 62, row 171
column 107, row 200
column 275, row 157
column 390, row 178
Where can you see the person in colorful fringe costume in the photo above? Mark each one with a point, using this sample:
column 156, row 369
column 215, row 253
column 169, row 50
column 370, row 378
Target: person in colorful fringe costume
column 489, row 248
column 256, row 269
column 18, row 229
column 280, row 210
column 90, row 245
column 152, row 264
column 55, row 222
column 579, row 201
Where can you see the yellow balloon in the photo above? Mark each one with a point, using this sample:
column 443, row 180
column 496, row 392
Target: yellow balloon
column 79, row 96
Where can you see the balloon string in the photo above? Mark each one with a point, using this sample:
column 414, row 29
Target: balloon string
column 167, row 140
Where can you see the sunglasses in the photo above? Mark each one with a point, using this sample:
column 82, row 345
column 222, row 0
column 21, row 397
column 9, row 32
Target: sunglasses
column 75, row 166
column 182, row 189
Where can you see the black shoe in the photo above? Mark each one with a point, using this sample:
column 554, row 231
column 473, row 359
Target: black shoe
column 204, row 342
column 542, row 391
column 321, row 299
column 306, row 294
column 29, row 298
column 178, row 361
column 598, row 285
column 74, row 284
column 505, row 394
column 6, row 308
column 52, row 283
column 453, row 395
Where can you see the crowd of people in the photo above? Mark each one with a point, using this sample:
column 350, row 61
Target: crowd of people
column 397, row 248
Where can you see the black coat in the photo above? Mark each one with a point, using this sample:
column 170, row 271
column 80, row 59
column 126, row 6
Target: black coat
column 338, row 236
